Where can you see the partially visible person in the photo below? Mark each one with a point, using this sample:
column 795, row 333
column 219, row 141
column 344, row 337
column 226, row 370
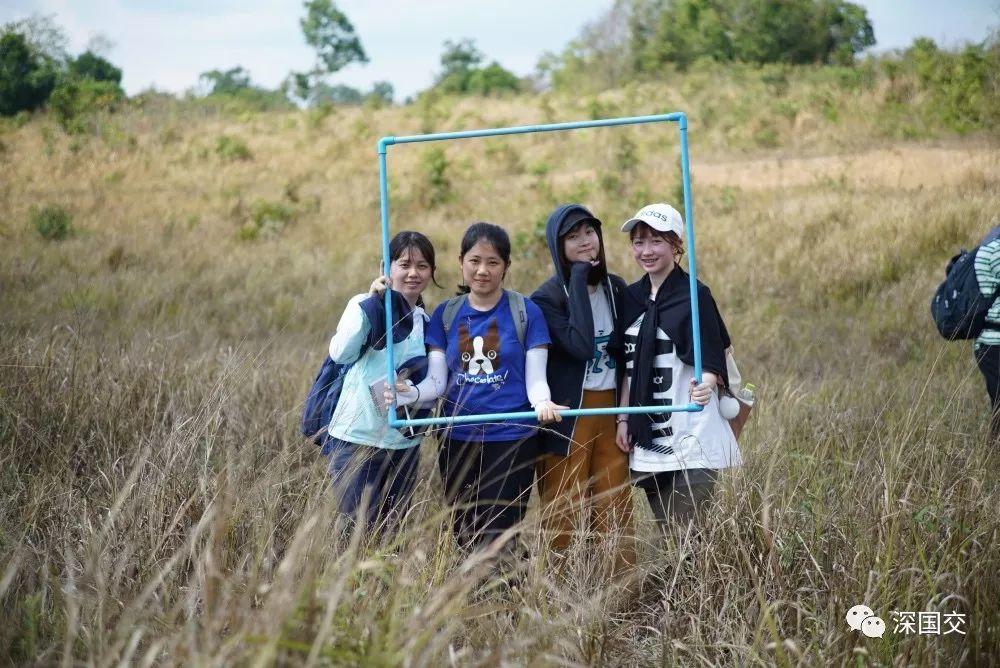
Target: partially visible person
column 583, row 477
column 374, row 466
column 675, row 457
column 495, row 343
column 987, row 345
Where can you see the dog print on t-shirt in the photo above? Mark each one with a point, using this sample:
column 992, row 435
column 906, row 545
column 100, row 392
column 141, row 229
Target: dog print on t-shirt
column 480, row 355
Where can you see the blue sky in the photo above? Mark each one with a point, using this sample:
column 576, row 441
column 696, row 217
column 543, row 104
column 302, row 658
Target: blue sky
column 168, row 43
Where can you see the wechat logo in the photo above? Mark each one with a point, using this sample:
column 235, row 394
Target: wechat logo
column 862, row 618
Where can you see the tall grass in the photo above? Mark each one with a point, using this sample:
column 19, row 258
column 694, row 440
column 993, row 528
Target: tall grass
column 160, row 507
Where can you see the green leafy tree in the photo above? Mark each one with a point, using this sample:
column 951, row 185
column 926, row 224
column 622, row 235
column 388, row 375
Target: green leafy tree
column 849, row 31
column 44, row 37
column 755, row 31
column 26, row 76
column 234, row 89
column 297, row 86
column 89, row 65
column 492, row 79
column 458, row 61
column 332, row 35
column 459, row 57
column 338, row 94
column 226, row 82
column 460, row 72
column 382, row 93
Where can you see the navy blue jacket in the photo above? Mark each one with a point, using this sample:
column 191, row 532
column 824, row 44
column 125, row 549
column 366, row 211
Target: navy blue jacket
column 565, row 303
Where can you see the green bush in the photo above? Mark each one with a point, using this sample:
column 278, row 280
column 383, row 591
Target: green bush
column 232, row 149
column 963, row 85
column 267, row 220
column 52, row 222
column 75, row 100
column 437, row 185
column 461, row 75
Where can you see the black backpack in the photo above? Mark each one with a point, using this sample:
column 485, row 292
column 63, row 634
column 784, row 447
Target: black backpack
column 959, row 307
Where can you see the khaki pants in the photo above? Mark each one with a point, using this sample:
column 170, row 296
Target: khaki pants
column 589, row 488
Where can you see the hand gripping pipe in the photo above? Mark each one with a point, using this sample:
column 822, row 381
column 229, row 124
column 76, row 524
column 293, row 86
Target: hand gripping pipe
column 677, row 117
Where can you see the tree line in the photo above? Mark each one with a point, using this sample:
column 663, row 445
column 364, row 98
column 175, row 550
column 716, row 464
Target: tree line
column 635, row 39
column 37, row 70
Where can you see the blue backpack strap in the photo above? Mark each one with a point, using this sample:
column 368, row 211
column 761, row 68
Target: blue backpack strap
column 519, row 313
column 451, row 311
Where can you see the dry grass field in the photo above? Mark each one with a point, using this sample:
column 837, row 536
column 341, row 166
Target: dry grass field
column 159, row 507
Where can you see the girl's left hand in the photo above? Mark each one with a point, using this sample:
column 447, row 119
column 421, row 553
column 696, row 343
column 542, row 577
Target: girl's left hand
column 547, row 411
column 701, row 394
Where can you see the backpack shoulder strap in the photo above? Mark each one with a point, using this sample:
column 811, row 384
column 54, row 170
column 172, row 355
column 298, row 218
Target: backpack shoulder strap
column 451, row 310
column 519, row 312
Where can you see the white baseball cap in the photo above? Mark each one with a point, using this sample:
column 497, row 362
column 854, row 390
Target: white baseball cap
column 661, row 217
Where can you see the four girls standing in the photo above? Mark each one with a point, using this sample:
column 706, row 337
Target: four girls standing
column 590, row 342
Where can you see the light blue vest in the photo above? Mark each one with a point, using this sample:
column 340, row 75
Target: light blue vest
column 356, row 420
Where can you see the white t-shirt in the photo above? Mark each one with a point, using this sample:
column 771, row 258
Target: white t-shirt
column 702, row 440
column 601, row 370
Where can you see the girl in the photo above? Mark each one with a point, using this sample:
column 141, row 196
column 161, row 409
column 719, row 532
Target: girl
column 495, row 345
column 580, row 460
column 374, row 466
column 674, row 456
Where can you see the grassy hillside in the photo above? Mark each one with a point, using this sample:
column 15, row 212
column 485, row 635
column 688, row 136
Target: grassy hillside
column 159, row 506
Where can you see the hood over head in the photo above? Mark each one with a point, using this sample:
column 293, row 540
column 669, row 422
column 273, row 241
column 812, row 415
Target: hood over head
column 563, row 219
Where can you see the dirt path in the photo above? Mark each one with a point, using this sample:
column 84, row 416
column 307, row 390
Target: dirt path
column 895, row 167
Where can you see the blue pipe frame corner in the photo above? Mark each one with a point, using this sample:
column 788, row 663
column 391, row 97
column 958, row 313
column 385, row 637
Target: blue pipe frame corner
column 675, row 117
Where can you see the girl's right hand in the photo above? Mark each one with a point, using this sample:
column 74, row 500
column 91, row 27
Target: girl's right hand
column 402, row 387
column 622, row 438
column 379, row 285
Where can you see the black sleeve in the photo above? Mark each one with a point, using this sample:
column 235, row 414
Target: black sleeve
column 616, row 346
column 572, row 331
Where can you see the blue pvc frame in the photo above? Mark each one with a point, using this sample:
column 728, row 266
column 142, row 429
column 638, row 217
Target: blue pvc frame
column 677, row 117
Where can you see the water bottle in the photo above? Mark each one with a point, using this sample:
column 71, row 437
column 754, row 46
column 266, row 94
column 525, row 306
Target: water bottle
column 748, row 394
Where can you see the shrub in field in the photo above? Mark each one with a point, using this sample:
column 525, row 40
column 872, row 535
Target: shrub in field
column 74, row 101
column 504, row 156
column 437, row 185
column 611, row 184
column 267, row 219
column 964, row 86
column 52, row 222
column 232, row 149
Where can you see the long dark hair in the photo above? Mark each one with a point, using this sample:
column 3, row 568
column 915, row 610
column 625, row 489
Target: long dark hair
column 492, row 234
column 408, row 239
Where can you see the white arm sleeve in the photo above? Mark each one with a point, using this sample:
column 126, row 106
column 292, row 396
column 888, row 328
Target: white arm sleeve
column 431, row 387
column 352, row 330
column 534, row 375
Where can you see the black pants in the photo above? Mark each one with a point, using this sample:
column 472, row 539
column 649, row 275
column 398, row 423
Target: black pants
column 489, row 484
column 988, row 359
column 677, row 496
column 377, row 480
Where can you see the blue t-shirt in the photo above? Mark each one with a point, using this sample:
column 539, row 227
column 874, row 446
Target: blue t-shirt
column 486, row 366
